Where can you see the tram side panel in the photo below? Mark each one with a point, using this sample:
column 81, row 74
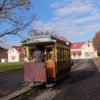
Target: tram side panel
column 63, row 68
column 63, row 63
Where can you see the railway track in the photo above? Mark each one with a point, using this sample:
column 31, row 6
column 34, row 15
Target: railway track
column 26, row 93
column 30, row 92
column 36, row 91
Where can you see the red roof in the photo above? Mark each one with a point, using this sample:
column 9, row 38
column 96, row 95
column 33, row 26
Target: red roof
column 22, row 54
column 77, row 45
column 88, row 41
column 19, row 49
column 63, row 39
column 79, row 51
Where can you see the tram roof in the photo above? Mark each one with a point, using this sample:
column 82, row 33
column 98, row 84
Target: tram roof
column 44, row 38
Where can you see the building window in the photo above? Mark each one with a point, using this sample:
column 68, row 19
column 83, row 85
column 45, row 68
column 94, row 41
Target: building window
column 12, row 50
column 13, row 57
column 88, row 45
column 79, row 54
column 74, row 54
column 91, row 54
column 86, row 54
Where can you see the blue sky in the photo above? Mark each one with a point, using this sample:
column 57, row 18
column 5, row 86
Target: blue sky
column 76, row 20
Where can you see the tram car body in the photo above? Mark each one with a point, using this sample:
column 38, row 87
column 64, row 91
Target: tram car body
column 56, row 62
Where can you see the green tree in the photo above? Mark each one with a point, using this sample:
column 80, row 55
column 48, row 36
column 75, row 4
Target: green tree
column 24, row 41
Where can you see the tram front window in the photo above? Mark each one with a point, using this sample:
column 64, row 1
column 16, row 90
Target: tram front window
column 49, row 52
column 31, row 53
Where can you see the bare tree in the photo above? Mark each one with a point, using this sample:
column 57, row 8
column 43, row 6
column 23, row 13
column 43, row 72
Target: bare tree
column 14, row 16
column 34, row 32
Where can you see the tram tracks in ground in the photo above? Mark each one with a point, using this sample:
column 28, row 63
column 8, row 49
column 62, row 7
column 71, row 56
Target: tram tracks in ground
column 34, row 92
column 25, row 93
column 31, row 94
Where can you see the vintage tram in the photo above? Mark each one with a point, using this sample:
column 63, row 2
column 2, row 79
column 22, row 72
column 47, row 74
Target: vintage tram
column 55, row 64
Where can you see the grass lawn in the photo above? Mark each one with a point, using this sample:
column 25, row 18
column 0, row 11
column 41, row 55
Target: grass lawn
column 11, row 66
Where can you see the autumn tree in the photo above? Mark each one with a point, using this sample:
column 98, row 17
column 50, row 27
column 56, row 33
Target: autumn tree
column 96, row 41
column 36, row 32
column 3, row 52
column 14, row 16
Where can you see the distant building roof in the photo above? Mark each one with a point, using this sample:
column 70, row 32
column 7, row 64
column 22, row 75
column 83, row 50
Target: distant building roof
column 64, row 39
column 19, row 49
column 78, row 51
column 77, row 45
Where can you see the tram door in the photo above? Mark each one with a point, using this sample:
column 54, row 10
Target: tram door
column 50, row 60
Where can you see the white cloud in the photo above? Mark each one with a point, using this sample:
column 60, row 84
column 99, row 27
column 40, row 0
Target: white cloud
column 65, row 8
column 70, row 13
column 87, row 19
column 69, row 31
column 8, row 45
column 62, row 28
column 56, row 4
column 92, row 27
column 74, row 10
column 37, row 23
column 56, row 18
column 73, row 16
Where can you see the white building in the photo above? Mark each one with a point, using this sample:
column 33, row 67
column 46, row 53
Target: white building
column 4, row 60
column 16, row 54
column 83, row 50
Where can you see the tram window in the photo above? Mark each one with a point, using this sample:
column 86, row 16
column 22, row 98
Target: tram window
column 58, row 53
column 68, row 53
column 32, row 53
column 64, row 54
column 61, row 53
column 49, row 53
